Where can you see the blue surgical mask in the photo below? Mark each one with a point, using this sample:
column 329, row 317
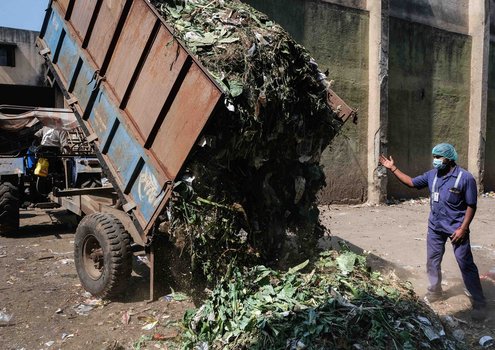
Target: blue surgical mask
column 439, row 164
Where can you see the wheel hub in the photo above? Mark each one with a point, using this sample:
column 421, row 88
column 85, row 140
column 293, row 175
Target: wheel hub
column 93, row 258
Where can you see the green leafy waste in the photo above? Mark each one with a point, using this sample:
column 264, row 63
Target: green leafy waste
column 256, row 175
column 339, row 304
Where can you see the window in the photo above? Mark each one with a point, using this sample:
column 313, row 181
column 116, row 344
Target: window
column 7, row 55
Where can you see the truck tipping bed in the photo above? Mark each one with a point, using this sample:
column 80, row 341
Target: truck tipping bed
column 140, row 96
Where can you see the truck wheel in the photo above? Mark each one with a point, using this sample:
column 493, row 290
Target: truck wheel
column 102, row 254
column 9, row 208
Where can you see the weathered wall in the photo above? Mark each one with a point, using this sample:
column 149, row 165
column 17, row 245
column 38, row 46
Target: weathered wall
column 490, row 130
column 28, row 63
column 449, row 15
column 356, row 4
column 428, row 96
column 492, row 20
column 337, row 37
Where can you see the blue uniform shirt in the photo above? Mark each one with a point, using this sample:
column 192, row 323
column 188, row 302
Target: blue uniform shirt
column 447, row 213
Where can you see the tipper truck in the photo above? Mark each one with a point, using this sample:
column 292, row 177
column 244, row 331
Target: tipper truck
column 142, row 100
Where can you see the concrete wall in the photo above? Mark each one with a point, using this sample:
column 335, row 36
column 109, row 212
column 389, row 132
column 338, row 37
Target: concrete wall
column 337, row 38
column 490, row 130
column 451, row 15
column 356, row 4
column 428, row 96
column 492, row 20
column 28, row 63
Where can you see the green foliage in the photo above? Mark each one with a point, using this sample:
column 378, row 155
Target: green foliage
column 322, row 308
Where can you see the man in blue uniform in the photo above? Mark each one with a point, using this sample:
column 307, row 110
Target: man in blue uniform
column 453, row 205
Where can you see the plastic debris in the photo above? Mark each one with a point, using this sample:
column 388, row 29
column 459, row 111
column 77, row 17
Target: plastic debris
column 486, row 341
column 49, row 343
column 295, row 344
column 5, row 319
column 452, row 322
column 459, row 335
column 66, row 336
column 149, row 326
column 177, row 296
column 150, row 322
column 126, row 317
column 166, row 298
column 83, row 309
column 66, row 261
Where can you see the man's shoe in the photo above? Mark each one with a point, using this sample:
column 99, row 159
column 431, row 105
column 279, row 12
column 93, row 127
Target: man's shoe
column 479, row 313
column 431, row 297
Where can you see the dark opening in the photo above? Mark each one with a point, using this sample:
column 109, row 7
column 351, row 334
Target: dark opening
column 7, row 55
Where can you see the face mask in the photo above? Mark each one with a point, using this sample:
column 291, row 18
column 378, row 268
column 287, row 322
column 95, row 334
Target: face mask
column 439, row 164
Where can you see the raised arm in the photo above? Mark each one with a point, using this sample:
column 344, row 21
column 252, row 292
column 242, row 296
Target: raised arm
column 390, row 165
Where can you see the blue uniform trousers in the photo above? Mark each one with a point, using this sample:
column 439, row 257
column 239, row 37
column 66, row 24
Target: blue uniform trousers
column 436, row 248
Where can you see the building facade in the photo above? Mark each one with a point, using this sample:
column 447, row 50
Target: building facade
column 22, row 70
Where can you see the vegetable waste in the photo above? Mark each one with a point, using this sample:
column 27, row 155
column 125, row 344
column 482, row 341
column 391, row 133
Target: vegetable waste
column 255, row 174
column 338, row 303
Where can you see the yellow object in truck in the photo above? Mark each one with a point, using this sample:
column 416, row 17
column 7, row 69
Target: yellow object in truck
column 41, row 167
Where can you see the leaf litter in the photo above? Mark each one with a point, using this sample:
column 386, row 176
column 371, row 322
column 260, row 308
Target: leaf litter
column 331, row 306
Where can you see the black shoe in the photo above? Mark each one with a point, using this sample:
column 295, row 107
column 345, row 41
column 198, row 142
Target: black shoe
column 479, row 313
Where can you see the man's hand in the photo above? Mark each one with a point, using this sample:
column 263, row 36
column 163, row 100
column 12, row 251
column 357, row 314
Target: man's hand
column 387, row 162
column 459, row 235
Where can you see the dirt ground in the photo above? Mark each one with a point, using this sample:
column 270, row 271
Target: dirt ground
column 394, row 236
column 40, row 289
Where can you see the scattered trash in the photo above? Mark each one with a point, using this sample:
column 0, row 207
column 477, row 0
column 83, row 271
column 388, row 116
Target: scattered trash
column 429, row 330
column 126, row 317
column 149, row 326
column 486, row 341
column 66, row 336
column 151, row 322
column 50, row 343
column 452, row 322
column 83, row 309
column 166, row 298
column 59, row 311
column 177, row 296
column 143, row 259
column 66, row 261
column 163, row 337
column 5, row 318
column 459, row 335
column 295, row 344
column 95, row 302
column 46, row 257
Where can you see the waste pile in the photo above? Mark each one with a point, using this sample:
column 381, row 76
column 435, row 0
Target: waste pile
column 256, row 173
column 338, row 303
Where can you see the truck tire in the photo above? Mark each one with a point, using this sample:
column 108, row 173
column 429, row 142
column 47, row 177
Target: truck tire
column 103, row 256
column 9, row 208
